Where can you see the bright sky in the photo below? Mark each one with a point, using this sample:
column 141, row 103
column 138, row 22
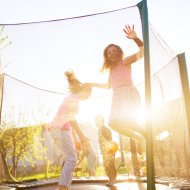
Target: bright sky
column 170, row 18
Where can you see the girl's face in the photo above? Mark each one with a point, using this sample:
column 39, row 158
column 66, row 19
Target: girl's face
column 113, row 54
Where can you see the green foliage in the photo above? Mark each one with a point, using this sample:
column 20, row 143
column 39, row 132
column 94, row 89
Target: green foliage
column 123, row 170
column 56, row 169
column 22, row 145
column 100, row 171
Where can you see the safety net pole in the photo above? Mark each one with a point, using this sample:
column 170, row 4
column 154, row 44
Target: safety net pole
column 149, row 143
column 185, row 86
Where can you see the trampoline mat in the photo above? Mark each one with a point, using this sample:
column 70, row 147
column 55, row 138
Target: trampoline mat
column 101, row 186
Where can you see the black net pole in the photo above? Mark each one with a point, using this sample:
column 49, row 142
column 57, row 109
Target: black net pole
column 149, row 141
column 185, row 86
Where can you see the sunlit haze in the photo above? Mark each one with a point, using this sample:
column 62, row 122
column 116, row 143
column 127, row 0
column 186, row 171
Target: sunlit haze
column 170, row 18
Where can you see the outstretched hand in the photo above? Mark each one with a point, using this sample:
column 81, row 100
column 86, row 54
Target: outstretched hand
column 130, row 32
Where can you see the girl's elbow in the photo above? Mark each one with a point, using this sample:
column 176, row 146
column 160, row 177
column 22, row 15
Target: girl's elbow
column 141, row 52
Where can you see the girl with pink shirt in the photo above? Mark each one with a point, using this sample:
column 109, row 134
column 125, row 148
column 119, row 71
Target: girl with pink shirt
column 65, row 123
column 126, row 98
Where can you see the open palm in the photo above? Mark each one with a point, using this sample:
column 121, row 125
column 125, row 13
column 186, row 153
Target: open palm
column 130, row 32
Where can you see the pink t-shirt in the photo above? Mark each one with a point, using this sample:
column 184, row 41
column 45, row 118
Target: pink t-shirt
column 66, row 112
column 120, row 75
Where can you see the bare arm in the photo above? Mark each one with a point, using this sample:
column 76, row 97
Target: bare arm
column 81, row 158
column 74, row 136
column 101, row 85
column 134, row 57
column 131, row 34
column 82, row 137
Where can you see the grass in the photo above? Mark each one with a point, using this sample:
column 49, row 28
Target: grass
column 99, row 172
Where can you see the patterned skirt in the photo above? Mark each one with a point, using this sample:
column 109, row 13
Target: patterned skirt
column 125, row 104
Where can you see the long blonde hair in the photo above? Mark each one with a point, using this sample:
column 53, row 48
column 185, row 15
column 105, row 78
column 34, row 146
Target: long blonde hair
column 75, row 85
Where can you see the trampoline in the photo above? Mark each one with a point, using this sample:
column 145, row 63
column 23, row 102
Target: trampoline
column 101, row 186
column 41, row 51
column 82, row 184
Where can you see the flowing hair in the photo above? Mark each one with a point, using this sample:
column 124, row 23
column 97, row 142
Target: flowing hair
column 75, row 85
column 108, row 65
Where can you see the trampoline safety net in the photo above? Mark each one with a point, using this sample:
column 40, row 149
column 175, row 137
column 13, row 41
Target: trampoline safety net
column 33, row 86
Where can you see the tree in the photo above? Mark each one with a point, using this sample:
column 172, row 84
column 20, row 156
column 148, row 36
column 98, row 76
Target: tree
column 19, row 145
column 3, row 43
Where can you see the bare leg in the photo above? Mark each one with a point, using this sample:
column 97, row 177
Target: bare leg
column 125, row 129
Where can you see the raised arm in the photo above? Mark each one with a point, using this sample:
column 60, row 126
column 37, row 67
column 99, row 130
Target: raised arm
column 131, row 34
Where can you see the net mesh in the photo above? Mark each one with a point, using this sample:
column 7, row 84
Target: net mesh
column 33, row 85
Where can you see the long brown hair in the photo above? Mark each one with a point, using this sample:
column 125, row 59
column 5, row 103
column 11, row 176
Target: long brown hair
column 108, row 65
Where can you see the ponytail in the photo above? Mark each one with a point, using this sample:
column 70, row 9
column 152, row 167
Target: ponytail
column 74, row 83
